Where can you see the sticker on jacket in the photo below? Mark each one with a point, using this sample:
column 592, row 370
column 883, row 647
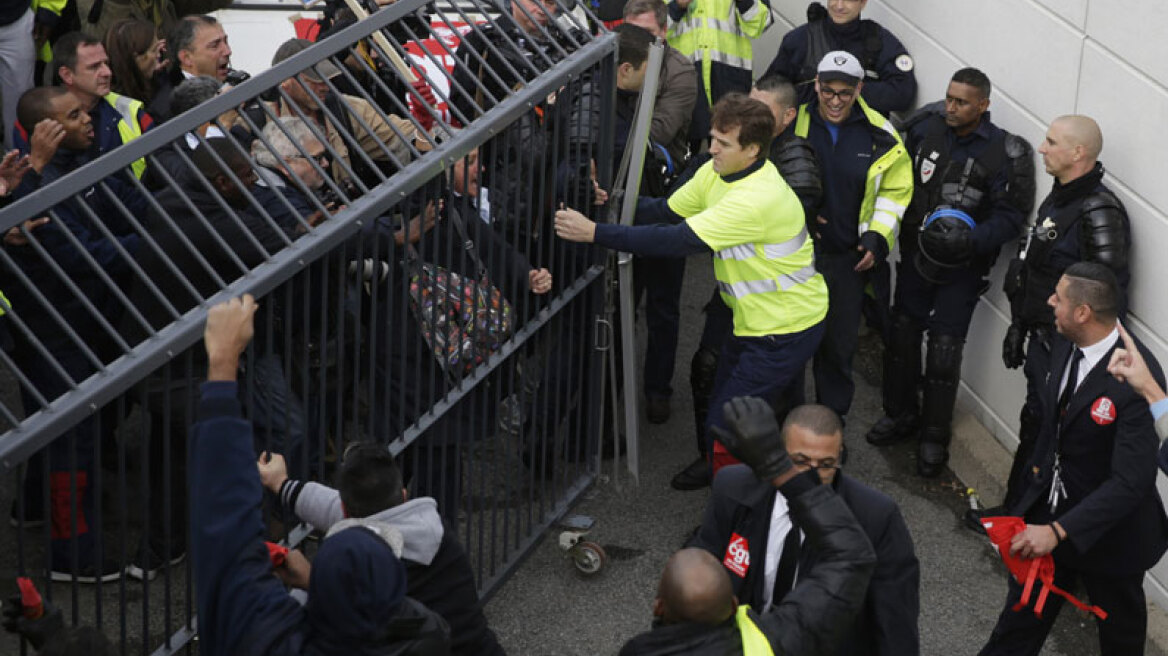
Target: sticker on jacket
column 737, row 558
column 1103, row 411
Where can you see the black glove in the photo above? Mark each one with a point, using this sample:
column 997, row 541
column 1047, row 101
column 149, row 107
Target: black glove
column 37, row 631
column 1014, row 346
column 754, row 437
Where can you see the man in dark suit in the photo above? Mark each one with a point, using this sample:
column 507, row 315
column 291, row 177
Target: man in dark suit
column 1089, row 495
column 747, row 525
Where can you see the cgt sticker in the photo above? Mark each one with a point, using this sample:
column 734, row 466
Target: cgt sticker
column 1103, row 411
column 737, row 557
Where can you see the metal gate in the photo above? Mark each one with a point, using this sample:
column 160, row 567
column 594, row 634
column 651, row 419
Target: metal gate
column 357, row 229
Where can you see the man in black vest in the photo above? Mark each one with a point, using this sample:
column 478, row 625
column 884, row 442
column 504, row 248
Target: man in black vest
column 1081, row 220
column 748, row 526
column 1088, row 494
column 889, row 82
column 973, row 186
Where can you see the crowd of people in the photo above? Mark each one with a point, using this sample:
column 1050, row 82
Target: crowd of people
column 803, row 185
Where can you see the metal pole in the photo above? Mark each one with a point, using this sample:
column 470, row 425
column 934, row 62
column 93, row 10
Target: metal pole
column 638, row 141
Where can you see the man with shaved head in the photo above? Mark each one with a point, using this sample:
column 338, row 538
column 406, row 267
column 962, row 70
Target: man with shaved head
column 745, row 514
column 1080, row 221
column 696, row 612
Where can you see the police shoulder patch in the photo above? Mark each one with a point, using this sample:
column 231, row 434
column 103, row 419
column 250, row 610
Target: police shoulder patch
column 904, row 63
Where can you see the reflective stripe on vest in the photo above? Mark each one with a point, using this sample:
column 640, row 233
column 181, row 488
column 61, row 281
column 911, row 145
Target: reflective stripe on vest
column 4, row 304
column 770, row 251
column 781, row 283
column 128, row 128
column 754, row 642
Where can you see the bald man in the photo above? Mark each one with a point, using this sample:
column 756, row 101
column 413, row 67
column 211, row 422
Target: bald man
column 695, row 610
column 1080, row 221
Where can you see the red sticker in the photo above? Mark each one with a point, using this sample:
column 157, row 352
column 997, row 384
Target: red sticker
column 737, row 558
column 1103, row 411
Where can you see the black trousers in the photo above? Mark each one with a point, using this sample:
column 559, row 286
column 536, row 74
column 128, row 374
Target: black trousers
column 1123, row 633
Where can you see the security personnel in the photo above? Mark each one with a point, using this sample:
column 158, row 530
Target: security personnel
column 795, row 159
column 889, row 81
column 966, row 168
column 83, row 67
column 1088, row 494
column 867, row 185
column 738, row 207
column 716, row 36
column 1081, row 220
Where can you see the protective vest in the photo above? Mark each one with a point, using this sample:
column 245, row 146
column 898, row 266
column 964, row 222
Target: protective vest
column 889, row 185
column 937, row 180
column 49, row 11
column 763, row 255
column 754, row 642
column 128, row 127
column 714, row 31
column 4, row 304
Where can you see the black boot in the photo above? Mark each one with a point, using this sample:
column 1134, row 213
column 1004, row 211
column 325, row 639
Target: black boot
column 902, row 373
column 942, row 373
column 702, row 370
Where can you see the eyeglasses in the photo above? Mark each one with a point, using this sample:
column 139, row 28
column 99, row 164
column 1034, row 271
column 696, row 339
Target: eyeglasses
column 803, row 462
column 843, row 94
column 324, row 159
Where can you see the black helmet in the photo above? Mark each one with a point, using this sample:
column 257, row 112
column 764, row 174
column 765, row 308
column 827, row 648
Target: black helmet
column 945, row 243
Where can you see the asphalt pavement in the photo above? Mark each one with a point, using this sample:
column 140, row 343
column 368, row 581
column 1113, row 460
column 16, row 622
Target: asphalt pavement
column 547, row 608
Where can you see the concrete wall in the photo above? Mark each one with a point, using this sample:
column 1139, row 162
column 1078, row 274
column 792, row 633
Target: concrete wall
column 1102, row 58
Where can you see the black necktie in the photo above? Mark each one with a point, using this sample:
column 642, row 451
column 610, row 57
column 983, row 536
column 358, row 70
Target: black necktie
column 1072, row 381
column 788, row 563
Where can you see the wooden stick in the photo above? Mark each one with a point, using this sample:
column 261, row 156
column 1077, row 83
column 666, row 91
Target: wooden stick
column 379, row 38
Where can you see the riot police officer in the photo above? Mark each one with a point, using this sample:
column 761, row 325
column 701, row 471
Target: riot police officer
column 889, row 81
column 974, row 186
column 1080, row 220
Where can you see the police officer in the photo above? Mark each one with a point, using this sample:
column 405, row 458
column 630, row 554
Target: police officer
column 974, row 186
column 867, row 185
column 795, row 159
column 889, row 81
column 1081, row 220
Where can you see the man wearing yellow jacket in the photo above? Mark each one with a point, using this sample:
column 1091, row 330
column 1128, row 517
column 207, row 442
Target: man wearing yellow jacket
column 738, row 207
column 867, row 184
column 716, row 36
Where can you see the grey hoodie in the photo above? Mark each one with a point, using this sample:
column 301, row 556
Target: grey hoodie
column 417, row 519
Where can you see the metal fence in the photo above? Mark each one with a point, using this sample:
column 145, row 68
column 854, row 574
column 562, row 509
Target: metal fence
column 358, row 229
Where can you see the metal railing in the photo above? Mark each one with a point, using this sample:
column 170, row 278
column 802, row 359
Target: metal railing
column 348, row 234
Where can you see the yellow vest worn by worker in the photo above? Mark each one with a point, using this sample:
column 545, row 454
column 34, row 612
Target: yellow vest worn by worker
column 763, row 257
column 128, row 127
column 889, row 185
column 754, row 643
column 716, row 32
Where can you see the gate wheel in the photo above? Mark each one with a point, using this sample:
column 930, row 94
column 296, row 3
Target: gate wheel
column 588, row 557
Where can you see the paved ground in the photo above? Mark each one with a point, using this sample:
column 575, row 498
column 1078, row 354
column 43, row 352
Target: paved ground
column 548, row 609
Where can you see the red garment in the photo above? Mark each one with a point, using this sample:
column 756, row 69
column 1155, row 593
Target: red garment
column 277, row 553
column 722, row 458
column 1001, row 531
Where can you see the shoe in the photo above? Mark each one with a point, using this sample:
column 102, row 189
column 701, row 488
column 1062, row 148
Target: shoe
column 890, row 431
column 657, row 409
column 87, row 573
column 695, row 476
column 147, row 564
column 931, row 459
column 34, row 516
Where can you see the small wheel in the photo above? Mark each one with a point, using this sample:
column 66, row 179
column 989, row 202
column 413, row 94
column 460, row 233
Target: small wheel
column 588, row 557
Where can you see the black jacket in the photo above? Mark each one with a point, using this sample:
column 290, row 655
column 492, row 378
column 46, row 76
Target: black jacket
column 688, row 639
column 741, row 505
column 1113, row 516
column 830, row 591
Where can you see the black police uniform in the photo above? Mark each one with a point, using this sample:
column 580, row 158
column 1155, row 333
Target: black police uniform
column 795, row 159
column 989, row 174
column 1079, row 221
column 889, row 82
column 1115, row 524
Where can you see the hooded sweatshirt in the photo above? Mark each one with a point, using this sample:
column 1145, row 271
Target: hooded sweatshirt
column 438, row 571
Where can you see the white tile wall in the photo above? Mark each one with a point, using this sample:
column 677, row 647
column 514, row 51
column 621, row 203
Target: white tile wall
column 1104, row 58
